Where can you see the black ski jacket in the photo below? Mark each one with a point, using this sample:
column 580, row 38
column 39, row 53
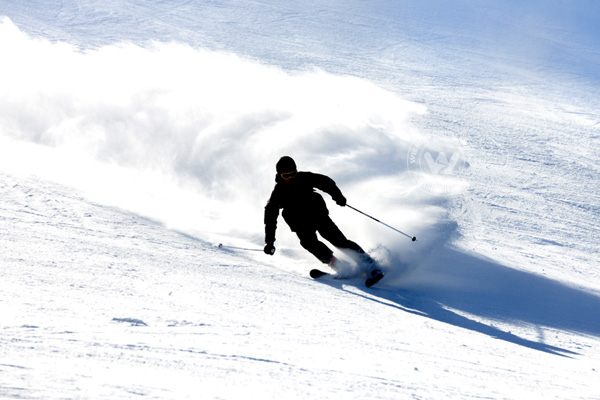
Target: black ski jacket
column 302, row 206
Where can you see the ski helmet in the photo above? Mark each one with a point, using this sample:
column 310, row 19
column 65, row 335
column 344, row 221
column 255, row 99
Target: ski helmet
column 285, row 164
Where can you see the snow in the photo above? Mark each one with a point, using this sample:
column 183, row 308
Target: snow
column 136, row 136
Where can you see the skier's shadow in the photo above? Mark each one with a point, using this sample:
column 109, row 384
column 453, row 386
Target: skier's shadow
column 486, row 289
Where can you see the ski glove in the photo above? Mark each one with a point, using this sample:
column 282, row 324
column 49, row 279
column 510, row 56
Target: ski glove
column 340, row 201
column 269, row 249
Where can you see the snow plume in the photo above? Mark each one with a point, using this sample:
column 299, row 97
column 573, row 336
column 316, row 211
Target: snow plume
column 190, row 137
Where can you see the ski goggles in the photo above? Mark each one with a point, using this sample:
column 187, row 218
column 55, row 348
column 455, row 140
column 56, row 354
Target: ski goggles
column 288, row 175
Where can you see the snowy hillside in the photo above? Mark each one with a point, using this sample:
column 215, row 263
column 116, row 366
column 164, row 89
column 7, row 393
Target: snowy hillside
column 136, row 136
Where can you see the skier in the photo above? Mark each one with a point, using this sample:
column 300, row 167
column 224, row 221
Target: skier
column 305, row 212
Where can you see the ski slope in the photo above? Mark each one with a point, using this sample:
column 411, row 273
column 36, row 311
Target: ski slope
column 136, row 136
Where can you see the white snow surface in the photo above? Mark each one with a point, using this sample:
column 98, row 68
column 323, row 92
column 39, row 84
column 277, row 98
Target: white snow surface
column 135, row 136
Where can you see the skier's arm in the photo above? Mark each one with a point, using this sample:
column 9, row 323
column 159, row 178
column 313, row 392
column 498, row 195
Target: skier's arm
column 328, row 185
column 271, row 215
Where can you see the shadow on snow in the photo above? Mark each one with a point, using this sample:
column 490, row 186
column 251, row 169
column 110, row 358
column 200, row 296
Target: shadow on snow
column 484, row 288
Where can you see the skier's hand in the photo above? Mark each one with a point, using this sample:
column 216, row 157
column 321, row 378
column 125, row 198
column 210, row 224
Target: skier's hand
column 269, row 249
column 340, row 201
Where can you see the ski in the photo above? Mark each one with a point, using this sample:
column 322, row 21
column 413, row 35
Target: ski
column 317, row 273
column 374, row 279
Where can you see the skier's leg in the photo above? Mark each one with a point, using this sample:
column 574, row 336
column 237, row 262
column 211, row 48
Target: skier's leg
column 330, row 231
column 308, row 240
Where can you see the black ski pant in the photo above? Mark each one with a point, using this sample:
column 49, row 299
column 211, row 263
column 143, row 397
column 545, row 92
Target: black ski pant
column 330, row 232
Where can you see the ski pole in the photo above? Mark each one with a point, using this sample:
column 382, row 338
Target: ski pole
column 413, row 238
column 237, row 248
